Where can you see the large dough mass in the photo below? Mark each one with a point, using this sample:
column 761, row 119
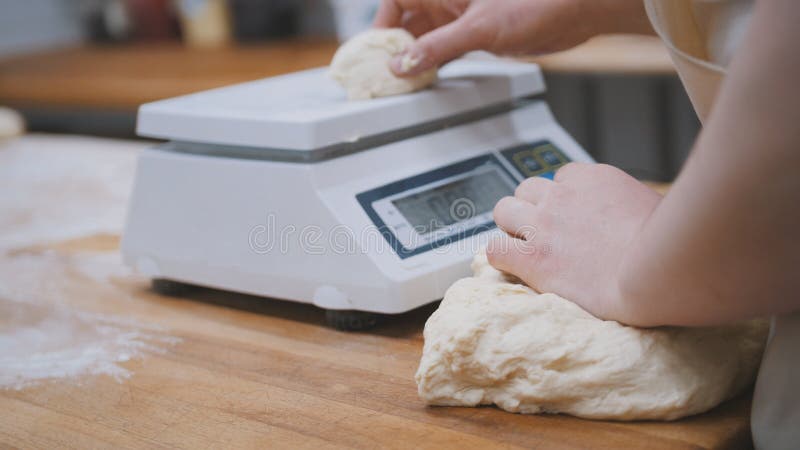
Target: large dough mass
column 361, row 65
column 496, row 341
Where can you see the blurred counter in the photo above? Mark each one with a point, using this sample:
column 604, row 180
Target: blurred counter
column 617, row 95
column 123, row 77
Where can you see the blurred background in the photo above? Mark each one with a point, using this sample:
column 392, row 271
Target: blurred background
column 84, row 66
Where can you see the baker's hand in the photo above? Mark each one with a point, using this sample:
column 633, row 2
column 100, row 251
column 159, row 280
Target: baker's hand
column 449, row 28
column 568, row 236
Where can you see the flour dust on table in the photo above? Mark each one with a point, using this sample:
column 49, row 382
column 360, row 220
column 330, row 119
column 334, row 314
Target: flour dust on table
column 63, row 187
column 496, row 341
column 45, row 337
column 46, row 342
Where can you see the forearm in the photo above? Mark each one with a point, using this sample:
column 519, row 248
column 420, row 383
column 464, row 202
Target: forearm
column 723, row 245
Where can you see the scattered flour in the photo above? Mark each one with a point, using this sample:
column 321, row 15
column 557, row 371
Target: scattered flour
column 63, row 187
column 56, row 189
column 45, row 342
column 101, row 267
column 42, row 337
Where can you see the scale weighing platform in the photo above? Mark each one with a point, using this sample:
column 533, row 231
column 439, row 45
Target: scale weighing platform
column 283, row 188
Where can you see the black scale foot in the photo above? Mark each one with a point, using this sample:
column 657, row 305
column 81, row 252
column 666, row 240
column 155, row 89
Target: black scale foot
column 350, row 320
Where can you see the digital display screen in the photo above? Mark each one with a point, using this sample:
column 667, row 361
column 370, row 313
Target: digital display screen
column 453, row 202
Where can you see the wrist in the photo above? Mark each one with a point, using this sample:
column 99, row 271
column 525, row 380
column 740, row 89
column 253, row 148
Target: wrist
column 635, row 293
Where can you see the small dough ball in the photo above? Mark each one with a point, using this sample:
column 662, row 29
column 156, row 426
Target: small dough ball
column 361, row 65
column 11, row 123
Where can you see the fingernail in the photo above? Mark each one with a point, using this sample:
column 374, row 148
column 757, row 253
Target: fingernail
column 396, row 64
column 407, row 63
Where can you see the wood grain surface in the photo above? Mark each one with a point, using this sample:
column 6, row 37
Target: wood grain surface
column 124, row 77
column 252, row 372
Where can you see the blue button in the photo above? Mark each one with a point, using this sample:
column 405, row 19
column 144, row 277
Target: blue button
column 531, row 164
column 548, row 175
column 550, row 158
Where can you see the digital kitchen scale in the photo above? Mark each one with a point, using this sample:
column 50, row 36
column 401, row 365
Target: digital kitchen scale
column 283, row 188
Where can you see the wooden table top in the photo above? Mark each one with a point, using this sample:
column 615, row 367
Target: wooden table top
column 123, row 77
column 252, row 372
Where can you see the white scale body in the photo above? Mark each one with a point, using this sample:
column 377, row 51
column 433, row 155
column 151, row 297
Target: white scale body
column 284, row 189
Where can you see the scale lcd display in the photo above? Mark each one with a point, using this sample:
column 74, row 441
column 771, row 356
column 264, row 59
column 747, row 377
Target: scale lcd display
column 456, row 201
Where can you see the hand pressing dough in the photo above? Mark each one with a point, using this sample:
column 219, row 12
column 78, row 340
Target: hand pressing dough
column 493, row 340
column 361, row 65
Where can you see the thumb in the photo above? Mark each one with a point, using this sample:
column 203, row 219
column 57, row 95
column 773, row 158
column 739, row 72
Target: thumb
column 437, row 47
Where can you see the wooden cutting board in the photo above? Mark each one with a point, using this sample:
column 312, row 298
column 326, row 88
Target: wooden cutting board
column 251, row 372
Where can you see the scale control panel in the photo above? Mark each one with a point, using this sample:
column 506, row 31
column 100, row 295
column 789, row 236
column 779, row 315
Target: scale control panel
column 435, row 208
column 541, row 159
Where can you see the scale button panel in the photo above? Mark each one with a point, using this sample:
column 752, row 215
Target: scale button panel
column 540, row 159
